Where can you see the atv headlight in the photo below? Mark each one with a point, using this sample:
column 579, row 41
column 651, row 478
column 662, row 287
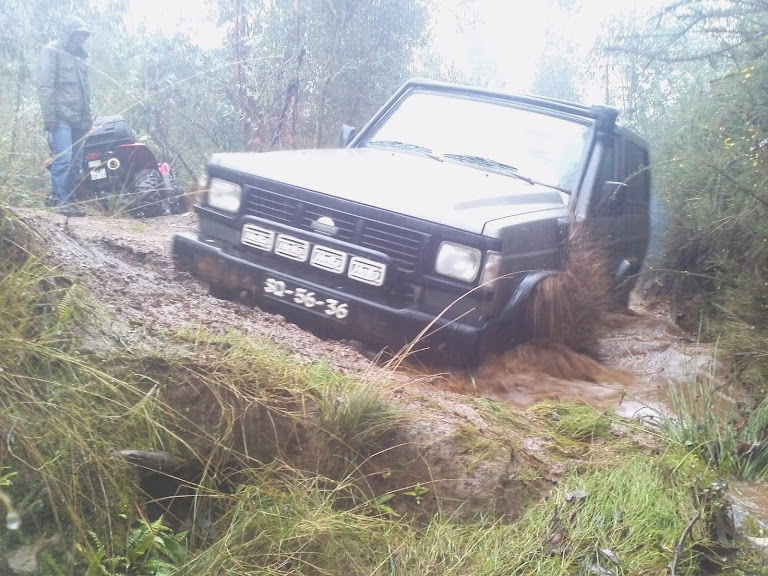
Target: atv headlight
column 457, row 261
column 224, row 195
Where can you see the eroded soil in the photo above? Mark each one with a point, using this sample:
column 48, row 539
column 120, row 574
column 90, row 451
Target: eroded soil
column 127, row 266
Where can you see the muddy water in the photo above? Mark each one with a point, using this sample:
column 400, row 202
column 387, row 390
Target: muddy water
column 752, row 502
column 539, row 371
column 643, row 356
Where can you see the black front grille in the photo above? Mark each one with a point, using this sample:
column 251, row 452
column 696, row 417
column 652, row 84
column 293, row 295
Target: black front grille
column 274, row 207
column 403, row 245
column 400, row 244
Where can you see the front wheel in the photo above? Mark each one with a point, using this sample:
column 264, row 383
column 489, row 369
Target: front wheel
column 177, row 202
column 149, row 194
column 222, row 292
column 465, row 353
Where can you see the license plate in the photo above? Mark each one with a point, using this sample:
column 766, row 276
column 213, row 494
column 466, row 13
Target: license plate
column 328, row 259
column 367, row 271
column 292, row 248
column 98, row 174
column 257, row 237
column 305, row 298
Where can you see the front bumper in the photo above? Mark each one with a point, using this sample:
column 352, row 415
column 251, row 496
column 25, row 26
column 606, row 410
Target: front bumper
column 206, row 259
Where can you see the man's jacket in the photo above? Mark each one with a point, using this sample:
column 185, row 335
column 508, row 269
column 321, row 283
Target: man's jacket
column 62, row 79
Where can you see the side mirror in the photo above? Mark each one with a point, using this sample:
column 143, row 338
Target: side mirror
column 346, row 135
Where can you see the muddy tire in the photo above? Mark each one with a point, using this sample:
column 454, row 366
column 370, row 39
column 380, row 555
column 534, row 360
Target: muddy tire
column 221, row 292
column 177, row 203
column 149, row 194
column 465, row 354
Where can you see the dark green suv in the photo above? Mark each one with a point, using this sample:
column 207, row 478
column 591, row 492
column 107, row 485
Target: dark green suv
column 442, row 213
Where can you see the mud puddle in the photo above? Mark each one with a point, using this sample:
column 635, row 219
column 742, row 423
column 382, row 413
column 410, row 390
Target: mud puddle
column 750, row 507
column 641, row 356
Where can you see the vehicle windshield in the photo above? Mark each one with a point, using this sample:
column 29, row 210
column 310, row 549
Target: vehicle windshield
column 544, row 148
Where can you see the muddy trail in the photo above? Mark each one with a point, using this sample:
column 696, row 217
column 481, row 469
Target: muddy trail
column 126, row 265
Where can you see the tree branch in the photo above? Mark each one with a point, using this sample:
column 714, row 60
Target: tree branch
column 679, row 545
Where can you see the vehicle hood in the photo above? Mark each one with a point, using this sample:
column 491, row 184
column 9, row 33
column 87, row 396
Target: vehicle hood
column 450, row 194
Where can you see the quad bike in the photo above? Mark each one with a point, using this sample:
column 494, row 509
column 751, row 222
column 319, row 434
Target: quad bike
column 123, row 176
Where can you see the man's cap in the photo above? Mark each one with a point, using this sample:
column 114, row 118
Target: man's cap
column 73, row 24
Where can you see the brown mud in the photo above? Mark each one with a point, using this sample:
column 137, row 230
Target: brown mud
column 636, row 355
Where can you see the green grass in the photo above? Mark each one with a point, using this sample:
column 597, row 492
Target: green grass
column 500, row 414
column 731, row 442
column 286, row 523
column 559, row 535
column 355, row 420
column 574, row 421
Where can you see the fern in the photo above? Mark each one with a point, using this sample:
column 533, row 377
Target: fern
column 160, row 568
column 141, row 539
column 5, row 479
column 174, row 548
column 94, row 556
column 151, row 549
column 66, row 306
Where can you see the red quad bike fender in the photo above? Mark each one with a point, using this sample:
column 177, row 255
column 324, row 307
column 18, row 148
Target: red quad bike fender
column 165, row 172
column 138, row 156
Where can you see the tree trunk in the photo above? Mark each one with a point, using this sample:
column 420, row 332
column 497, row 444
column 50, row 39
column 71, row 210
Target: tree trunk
column 245, row 104
column 331, row 68
column 19, row 101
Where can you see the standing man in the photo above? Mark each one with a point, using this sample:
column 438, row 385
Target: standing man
column 65, row 99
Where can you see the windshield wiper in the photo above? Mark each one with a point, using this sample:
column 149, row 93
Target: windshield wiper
column 482, row 162
column 405, row 146
column 495, row 165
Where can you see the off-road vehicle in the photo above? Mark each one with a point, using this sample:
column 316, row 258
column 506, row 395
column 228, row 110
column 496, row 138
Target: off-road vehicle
column 443, row 212
column 122, row 175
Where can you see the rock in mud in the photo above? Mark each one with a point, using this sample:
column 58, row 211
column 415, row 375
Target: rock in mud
column 23, row 560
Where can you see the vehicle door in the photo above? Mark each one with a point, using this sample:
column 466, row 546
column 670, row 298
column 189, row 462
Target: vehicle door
column 613, row 202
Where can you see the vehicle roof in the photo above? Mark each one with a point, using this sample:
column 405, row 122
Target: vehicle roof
column 603, row 116
column 595, row 112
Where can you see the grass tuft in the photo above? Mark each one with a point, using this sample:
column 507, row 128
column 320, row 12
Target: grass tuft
column 710, row 426
column 356, row 420
column 577, row 422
